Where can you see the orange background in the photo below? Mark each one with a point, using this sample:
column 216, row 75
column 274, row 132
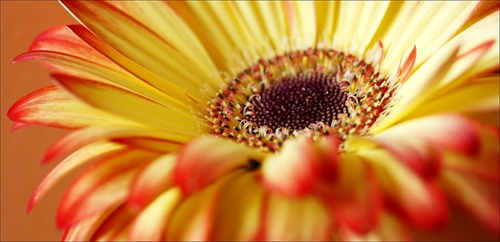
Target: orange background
column 22, row 150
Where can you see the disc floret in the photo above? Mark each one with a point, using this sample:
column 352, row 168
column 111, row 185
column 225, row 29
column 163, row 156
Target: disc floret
column 313, row 92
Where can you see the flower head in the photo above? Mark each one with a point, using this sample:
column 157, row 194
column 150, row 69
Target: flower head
column 270, row 120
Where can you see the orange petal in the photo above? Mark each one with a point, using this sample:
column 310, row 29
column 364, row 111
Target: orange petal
column 207, row 159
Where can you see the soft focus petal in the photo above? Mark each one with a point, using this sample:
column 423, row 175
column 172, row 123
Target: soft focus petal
column 82, row 137
column 295, row 219
column 478, row 198
column 293, row 171
column 101, row 186
column 355, row 199
column 438, row 132
column 150, row 224
column 238, row 213
column 76, row 159
column 154, row 180
column 205, row 160
column 420, row 201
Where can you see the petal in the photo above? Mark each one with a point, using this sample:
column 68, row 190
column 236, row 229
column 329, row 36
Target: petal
column 294, row 171
column 479, row 199
column 355, row 199
column 484, row 165
column 122, row 32
column 61, row 40
column 296, row 219
column 239, row 208
column 301, row 23
column 420, row 86
column 138, row 108
column 151, row 222
column 194, row 218
column 440, row 132
column 204, row 160
column 173, row 91
column 72, row 65
column 172, row 29
column 51, row 106
column 82, row 137
column 474, row 97
column 84, row 230
column 417, row 200
column 101, row 186
column 389, row 229
column 154, row 180
column 70, row 163
column 426, row 35
column 115, row 225
column 356, row 23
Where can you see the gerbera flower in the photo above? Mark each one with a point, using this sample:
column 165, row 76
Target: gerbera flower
column 270, row 120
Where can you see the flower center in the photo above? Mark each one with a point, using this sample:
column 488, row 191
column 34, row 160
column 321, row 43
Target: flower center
column 297, row 102
column 313, row 92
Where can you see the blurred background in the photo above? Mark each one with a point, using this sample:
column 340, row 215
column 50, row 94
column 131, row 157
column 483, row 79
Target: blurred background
column 21, row 151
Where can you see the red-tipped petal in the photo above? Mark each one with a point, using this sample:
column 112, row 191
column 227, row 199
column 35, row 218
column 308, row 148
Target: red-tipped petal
column 77, row 159
column 155, row 179
column 355, row 199
column 416, row 199
column 405, row 70
column 101, row 186
column 438, row 132
column 294, row 171
column 476, row 197
column 204, row 160
column 51, row 106
column 82, row 137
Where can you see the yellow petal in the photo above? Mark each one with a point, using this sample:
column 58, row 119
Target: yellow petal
column 151, row 222
column 238, row 213
column 296, row 219
column 122, row 32
column 130, row 105
column 428, row 36
column 481, row 96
